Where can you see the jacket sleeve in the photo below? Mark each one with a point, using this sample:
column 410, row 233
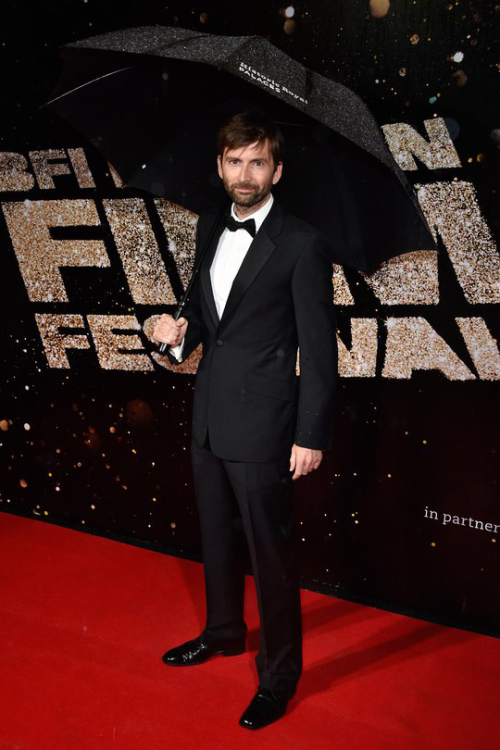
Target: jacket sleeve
column 192, row 313
column 312, row 291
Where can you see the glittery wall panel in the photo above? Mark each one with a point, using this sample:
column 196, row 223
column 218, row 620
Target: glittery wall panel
column 95, row 424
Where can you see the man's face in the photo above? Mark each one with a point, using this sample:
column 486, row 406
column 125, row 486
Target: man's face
column 248, row 174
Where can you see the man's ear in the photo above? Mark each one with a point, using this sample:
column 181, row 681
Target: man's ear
column 219, row 165
column 278, row 172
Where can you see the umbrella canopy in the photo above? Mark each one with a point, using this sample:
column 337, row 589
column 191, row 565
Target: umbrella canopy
column 151, row 99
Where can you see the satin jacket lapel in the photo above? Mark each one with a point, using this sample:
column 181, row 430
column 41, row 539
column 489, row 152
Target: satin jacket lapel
column 257, row 256
column 205, row 280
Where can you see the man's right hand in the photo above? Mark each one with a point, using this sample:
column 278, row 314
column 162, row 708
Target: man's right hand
column 170, row 331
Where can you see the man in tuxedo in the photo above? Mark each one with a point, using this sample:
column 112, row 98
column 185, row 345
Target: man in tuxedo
column 264, row 289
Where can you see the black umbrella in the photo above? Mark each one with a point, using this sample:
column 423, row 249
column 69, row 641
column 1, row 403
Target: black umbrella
column 151, row 99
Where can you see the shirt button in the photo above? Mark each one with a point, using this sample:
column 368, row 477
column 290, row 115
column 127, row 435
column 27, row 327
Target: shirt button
column 220, row 342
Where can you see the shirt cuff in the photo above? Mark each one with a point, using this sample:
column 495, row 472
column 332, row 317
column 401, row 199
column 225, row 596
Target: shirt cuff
column 177, row 351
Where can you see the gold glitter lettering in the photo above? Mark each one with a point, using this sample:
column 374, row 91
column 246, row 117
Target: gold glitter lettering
column 482, row 347
column 81, row 166
column 113, row 349
column 341, row 292
column 437, row 153
column 410, row 279
column 412, row 344
column 360, row 360
column 14, row 173
column 180, row 228
column 136, row 243
column 452, row 209
column 39, row 256
column 44, row 170
column 55, row 343
column 116, row 177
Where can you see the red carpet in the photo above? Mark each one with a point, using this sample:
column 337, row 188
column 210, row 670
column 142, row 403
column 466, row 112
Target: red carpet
column 85, row 621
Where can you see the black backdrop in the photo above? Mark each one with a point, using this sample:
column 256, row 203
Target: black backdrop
column 404, row 512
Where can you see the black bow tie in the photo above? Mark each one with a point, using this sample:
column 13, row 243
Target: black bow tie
column 233, row 225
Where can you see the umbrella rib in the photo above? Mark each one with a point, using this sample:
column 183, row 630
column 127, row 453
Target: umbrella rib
column 242, row 48
column 87, row 83
column 175, row 43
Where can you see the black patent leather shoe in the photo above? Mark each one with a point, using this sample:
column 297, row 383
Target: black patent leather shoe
column 196, row 652
column 267, row 706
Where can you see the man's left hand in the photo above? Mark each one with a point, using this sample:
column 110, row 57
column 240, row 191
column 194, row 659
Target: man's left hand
column 304, row 460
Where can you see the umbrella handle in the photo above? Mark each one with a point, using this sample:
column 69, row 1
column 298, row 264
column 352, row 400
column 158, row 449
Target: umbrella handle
column 180, row 307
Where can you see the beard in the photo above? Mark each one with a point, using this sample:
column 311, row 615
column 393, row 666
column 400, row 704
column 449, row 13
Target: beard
column 252, row 198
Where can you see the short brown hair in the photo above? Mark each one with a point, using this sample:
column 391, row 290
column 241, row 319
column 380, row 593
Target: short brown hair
column 248, row 127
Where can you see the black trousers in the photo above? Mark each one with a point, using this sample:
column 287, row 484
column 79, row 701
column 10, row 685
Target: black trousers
column 258, row 496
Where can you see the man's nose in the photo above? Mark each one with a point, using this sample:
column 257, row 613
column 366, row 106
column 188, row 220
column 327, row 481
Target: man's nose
column 244, row 174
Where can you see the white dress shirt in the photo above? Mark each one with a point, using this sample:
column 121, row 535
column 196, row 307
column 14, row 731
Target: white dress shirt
column 230, row 253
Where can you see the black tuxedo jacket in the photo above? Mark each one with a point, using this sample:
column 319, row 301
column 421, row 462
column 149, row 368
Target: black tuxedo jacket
column 247, row 394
